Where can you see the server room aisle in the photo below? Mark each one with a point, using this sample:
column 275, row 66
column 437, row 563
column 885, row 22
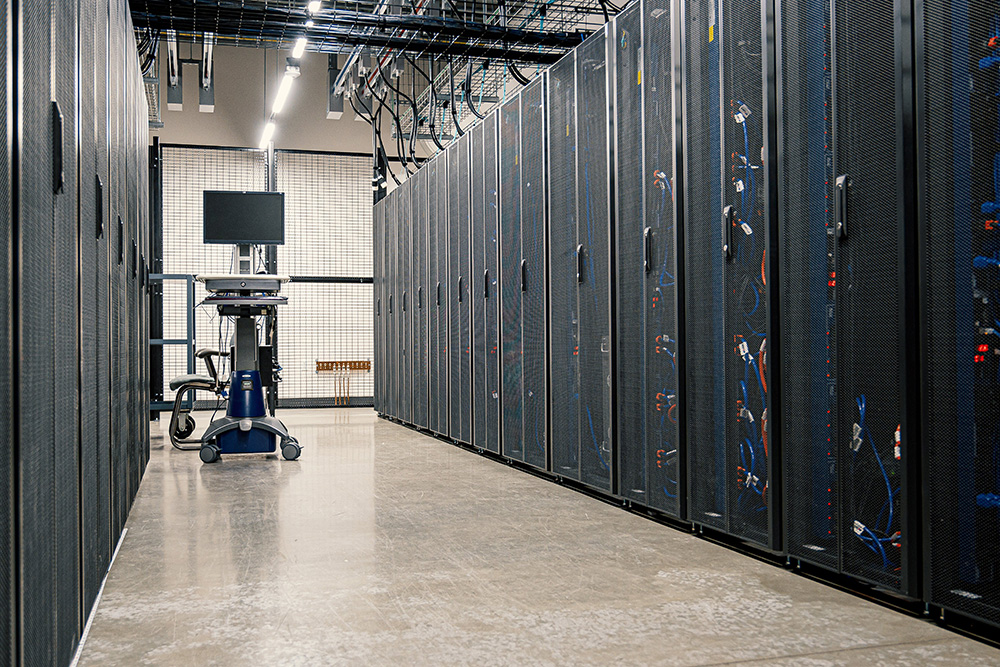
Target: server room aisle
column 382, row 546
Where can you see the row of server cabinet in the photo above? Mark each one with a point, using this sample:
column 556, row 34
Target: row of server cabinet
column 736, row 262
column 73, row 315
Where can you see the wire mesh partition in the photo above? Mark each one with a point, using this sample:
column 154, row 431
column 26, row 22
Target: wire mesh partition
column 328, row 237
column 328, row 251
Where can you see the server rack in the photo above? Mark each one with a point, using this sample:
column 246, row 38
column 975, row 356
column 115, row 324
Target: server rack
column 404, row 281
column 580, row 266
column 649, row 363
column 434, row 299
column 957, row 129
column 392, row 299
column 523, row 276
column 442, row 298
column 8, row 365
column 459, row 342
column 418, row 215
column 848, row 463
column 731, row 464
column 378, row 250
column 485, row 297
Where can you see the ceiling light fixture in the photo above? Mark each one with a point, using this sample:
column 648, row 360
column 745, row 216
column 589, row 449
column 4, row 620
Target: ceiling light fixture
column 300, row 47
column 268, row 133
column 313, row 6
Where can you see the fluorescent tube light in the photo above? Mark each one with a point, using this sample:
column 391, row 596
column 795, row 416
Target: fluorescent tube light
column 313, row 6
column 300, row 47
column 283, row 90
column 268, row 133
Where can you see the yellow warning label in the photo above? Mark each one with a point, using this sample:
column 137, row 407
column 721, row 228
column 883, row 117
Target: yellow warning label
column 639, row 78
column 711, row 33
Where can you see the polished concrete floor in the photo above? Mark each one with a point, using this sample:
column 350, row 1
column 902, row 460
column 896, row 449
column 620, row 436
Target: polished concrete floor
column 382, row 546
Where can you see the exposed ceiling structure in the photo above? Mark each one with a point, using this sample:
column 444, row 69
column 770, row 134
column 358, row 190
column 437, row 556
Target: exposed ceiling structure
column 431, row 65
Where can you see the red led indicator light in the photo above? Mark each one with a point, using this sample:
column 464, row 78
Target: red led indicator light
column 983, row 347
column 980, row 357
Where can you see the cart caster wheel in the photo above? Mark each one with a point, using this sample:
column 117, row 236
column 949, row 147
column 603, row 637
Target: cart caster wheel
column 209, row 453
column 185, row 427
column 290, row 450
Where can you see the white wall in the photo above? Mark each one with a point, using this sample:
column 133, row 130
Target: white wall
column 242, row 107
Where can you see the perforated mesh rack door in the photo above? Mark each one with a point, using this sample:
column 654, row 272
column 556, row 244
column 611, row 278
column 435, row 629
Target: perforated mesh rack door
column 456, row 192
column 512, row 382
column 404, row 340
column 418, row 215
column 533, row 222
column 594, row 234
column 65, row 390
column 433, row 307
column 871, row 336
column 443, row 296
column 707, row 348
column 660, row 337
column 957, row 126
column 564, row 315
column 807, row 291
column 378, row 249
column 392, row 270
column 491, row 315
column 633, row 470
column 36, row 290
column 464, row 250
column 479, row 288
column 7, row 417
column 746, row 305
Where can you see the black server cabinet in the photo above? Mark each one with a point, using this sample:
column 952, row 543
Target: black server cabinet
column 460, row 329
column 404, row 338
column 36, row 289
column 64, row 389
column 392, row 300
column 579, row 265
column 849, row 451
column 103, row 265
column 434, row 377
column 523, row 275
column 418, row 298
column 8, row 417
column 485, row 296
column 959, row 154
column 93, row 300
column 441, row 297
column 378, row 250
column 727, row 291
column 648, row 362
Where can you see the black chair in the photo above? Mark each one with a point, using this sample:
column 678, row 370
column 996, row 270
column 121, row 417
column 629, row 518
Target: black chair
column 182, row 424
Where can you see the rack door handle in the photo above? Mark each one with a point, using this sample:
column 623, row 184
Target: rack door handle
column 390, row 304
column 99, row 205
column 438, row 295
column 460, row 289
column 420, row 298
column 135, row 259
column 841, row 185
column 647, row 249
column 121, row 241
column 404, row 301
column 486, row 284
column 727, row 231
column 378, row 307
column 524, row 275
column 58, row 175
column 579, row 263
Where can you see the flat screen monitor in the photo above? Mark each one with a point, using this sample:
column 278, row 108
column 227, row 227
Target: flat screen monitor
column 253, row 218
